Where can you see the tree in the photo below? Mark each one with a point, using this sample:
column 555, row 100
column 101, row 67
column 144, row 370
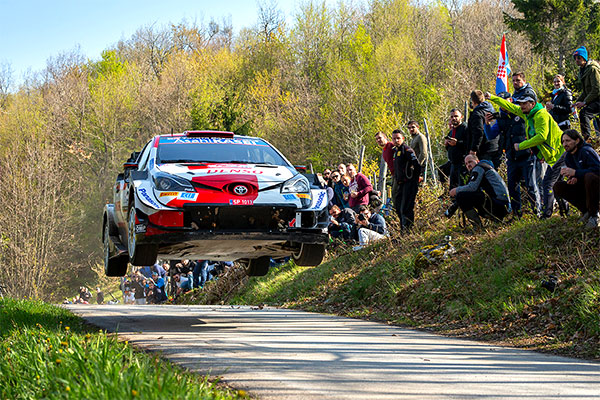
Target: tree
column 556, row 27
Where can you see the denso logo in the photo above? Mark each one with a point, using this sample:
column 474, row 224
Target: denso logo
column 188, row 196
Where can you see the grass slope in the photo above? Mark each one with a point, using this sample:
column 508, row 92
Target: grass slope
column 489, row 289
column 47, row 352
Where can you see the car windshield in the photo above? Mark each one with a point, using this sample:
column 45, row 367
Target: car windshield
column 177, row 149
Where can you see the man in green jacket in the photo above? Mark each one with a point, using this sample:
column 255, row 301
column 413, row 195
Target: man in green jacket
column 543, row 136
column 589, row 99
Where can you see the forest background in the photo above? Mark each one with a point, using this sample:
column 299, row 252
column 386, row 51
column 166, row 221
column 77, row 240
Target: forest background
column 318, row 89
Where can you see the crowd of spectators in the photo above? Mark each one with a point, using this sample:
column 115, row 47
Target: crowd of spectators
column 553, row 163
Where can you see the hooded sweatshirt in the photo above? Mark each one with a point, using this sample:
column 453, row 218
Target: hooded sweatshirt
column 476, row 139
column 542, row 130
column 583, row 161
column 589, row 76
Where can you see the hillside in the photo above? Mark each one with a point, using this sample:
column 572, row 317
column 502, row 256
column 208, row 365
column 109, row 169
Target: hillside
column 490, row 289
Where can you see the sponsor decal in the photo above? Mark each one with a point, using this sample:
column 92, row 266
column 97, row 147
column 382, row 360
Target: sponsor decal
column 140, row 228
column 188, row 196
column 146, row 196
column 289, row 196
column 320, row 200
column 211, row 140
column 241, row 202
column 169, row 194
column 240, row 190
column 151, row 163
column 304, row 195
column 233, row 171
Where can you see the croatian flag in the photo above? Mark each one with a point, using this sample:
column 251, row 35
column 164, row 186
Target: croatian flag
column 503, row 69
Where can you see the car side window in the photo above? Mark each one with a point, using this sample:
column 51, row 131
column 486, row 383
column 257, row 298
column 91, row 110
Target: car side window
column 144, row 157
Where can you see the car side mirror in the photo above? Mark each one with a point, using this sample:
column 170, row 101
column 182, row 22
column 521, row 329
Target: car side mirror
column 130, row 165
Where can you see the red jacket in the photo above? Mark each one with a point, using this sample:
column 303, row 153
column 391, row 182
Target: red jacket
column 362, row 186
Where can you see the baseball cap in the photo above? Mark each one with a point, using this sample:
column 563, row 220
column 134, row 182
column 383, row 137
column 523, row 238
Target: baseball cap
column 524, row 99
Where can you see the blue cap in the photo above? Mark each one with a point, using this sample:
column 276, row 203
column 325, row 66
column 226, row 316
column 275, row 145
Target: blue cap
column 582, row 51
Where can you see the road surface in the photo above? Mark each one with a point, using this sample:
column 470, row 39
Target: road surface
column 287, row 354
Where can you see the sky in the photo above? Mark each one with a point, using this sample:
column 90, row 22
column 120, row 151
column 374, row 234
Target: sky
column 32, row 31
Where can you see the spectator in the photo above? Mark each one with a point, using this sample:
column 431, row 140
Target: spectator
column 146, row 271
column 544, row 134
column 139, row 295
column 342, row 169
column 477, row 142
column 522, row 88
column 370, row 227
column 340, row 192
column 183, row 283
column 346, row 189
column 99, row 296
column 455, row 144
column 342, row 222
column 582, row 171
column 588, row 101
column 418, row 142
column 155, row 295
column 407, row 172
column 158, row 280
column 520, row 164
column 485, row 195
column 327, row 177
column 360, row 187
column 560, row 106
column 200, row 273
column 162, row 272
column 387, row 150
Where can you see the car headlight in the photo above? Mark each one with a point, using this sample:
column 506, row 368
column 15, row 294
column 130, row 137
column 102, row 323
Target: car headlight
column 297, row 184
column 170, row 183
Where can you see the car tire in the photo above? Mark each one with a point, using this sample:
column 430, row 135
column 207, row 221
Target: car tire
column 309, row 255
column 115, row 266
column 258, row 266
column 139, row 254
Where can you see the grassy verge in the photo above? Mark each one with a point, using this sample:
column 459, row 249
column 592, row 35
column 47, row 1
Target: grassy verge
column 47, row 352
column 490, row 289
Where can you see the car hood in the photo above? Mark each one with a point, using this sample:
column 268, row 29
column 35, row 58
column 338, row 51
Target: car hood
column 234, row 184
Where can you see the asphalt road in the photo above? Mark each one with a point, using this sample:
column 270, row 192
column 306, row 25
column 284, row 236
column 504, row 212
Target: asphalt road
column 287, row 354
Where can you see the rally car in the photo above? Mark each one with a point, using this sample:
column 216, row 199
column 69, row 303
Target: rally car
column 212, row 195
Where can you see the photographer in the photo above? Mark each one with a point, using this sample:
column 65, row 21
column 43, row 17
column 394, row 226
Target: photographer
column 370, row 227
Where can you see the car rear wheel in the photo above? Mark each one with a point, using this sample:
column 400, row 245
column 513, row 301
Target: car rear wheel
column 139, row 254
column 258, row 266
column 116, row 266
column 309, row 255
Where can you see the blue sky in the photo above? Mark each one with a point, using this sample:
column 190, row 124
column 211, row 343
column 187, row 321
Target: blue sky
column 31, row 31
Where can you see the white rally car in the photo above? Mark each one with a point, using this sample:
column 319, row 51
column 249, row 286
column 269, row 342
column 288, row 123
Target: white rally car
column 213, row 196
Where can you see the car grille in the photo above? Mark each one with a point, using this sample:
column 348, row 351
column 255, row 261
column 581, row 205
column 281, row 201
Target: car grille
column 238, row 218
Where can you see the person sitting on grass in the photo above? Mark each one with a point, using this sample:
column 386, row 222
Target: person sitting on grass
column 485, row 195
column 370, row 227
column 582, row 171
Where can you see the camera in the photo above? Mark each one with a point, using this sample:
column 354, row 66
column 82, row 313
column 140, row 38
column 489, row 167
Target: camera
column 361, row 217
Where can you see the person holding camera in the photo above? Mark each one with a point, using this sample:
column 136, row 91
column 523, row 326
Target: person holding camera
column 341, row 222
column 371, row 227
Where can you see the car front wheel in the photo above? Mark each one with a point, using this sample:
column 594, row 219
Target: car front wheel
column 139, row 254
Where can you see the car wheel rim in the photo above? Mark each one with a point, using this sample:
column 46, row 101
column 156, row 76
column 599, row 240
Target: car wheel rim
column 131, row 240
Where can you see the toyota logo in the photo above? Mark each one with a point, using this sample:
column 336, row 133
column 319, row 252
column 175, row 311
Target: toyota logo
column 240, row 190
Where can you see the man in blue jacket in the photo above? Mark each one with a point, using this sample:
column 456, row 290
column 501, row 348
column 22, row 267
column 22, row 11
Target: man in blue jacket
column 582, row 171
column 371, row 227
column 477, row 143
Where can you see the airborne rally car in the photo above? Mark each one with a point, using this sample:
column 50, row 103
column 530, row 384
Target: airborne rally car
column 213, row 196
